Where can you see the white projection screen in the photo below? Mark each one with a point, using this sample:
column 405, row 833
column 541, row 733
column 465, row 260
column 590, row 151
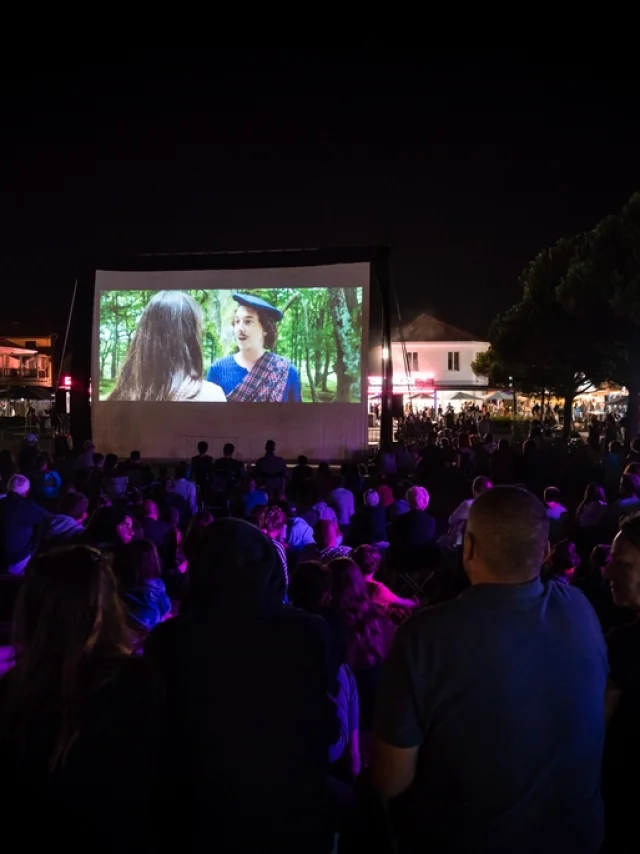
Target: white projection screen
column 236, row 356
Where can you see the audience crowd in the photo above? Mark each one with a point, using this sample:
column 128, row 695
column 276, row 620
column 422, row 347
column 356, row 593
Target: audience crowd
column 438, row 651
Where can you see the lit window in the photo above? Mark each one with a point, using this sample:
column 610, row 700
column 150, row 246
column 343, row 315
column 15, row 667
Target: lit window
column 412, row 362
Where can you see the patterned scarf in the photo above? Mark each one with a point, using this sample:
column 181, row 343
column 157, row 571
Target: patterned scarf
column 265, row 382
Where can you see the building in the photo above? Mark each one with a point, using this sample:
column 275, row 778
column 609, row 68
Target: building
column 26, row 360
column 431, row 362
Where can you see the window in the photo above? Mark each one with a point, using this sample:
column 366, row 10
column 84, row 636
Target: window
column 412, row 362
column 453, row 361
column 30, row 345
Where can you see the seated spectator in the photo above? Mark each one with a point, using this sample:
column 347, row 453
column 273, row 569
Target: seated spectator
column 369, row 559
column 385, row 492
column 368, row 635
column 412, row 534
column 109, row 528
column 138, row 571
column 589, row 577
column 312, row 509
column 114, row 483
column 458, row 519
column 343, row 502
column 400, row 504
column 253, row 497
column 184, row 487
column 45, row 481
column 556, row 513
column 21, row 524
column 86, row 458
column 329, row 540
column 299, row 533
column 171, row 499
column 561, row 563
column 69, row 521
column 273, row 522
column 82, row 727
column 369, row 522
column 590, row 512
column 259, row 793
column 629, row 501
column 516, row 774
column 153, row 529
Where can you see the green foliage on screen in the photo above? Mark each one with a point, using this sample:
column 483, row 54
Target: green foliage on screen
column 321, row 333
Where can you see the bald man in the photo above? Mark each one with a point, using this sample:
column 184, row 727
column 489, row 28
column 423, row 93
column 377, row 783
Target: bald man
column 490, row 717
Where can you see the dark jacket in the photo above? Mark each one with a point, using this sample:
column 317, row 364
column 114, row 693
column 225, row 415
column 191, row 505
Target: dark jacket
column 20, row 523
column 247, row 683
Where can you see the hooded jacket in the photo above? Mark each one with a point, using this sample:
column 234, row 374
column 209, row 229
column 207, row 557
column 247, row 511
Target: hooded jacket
column 247, row 680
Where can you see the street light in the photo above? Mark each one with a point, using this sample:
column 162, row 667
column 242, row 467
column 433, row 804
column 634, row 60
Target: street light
column 385, row 354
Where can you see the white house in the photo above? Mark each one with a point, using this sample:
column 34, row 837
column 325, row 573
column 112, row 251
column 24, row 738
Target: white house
column 434, row 355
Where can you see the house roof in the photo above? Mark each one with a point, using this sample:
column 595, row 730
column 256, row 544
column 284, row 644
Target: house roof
column 425, row 327
column 6, row 344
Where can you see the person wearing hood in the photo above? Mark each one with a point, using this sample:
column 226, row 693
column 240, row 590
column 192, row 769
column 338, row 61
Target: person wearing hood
column 247, row 683
column 69, row 522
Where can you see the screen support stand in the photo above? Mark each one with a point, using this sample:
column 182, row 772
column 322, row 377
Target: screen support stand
column 382, row 268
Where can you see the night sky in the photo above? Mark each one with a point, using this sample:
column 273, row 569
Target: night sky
column 466, row 164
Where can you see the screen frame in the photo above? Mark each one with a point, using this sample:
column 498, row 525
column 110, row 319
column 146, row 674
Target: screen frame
column 248, row 261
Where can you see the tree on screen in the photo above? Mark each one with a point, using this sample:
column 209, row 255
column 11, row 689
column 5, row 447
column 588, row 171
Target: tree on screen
column 120, row 313
column 347, row 365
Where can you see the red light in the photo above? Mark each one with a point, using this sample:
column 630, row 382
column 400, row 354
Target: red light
column 66, row 382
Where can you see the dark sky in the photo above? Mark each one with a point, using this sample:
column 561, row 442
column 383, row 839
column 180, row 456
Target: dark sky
column 465, row 164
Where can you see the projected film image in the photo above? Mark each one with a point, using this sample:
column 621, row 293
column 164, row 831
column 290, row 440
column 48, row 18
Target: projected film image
column 276, row 345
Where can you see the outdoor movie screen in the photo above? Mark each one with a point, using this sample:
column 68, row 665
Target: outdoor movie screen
column 247, row 345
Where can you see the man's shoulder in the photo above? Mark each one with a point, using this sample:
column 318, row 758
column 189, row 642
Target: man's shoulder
column 569, row 596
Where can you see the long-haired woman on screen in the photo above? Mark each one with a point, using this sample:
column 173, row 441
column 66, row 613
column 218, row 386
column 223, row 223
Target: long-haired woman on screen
column 254, row 374
column 164, row 360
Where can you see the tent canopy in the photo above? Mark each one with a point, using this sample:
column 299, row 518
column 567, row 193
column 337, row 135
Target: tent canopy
column 497, row 396
column 462, row 395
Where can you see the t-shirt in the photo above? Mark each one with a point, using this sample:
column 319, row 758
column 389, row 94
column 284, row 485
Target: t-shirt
column 502, row 691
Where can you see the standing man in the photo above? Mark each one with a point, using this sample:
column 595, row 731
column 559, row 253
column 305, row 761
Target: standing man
column 490, row 718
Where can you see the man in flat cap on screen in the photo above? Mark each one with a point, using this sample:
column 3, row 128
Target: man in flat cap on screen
column 254, row 374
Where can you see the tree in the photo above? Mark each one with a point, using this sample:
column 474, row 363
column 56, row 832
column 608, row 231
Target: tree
column 489, row 364
column 602, row 291
column 347, row 352
column 538, row 342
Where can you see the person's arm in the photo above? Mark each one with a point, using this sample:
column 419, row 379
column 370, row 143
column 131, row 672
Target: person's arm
column 460, row 514
column 398, row 725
